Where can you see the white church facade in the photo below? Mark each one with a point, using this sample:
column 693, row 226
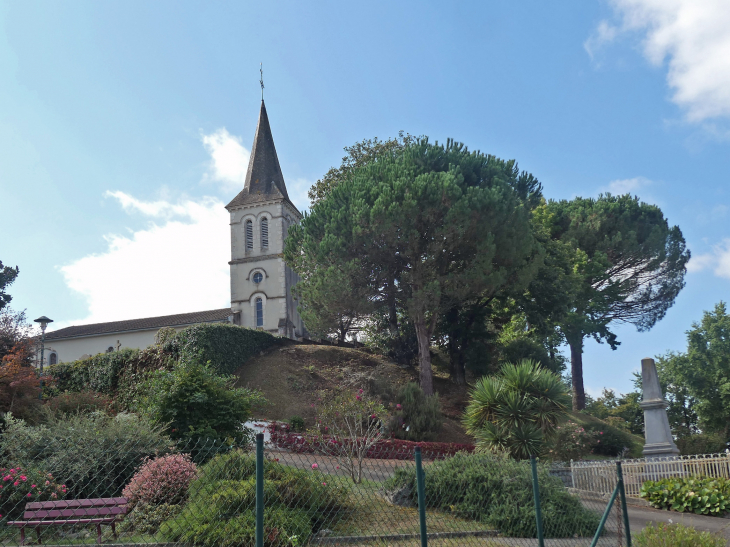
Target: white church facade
column 261, row 282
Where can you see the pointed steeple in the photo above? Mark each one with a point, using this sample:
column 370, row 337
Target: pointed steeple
column 264, row 180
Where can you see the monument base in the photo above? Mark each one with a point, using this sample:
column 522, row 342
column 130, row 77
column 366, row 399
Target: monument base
column 661, row 450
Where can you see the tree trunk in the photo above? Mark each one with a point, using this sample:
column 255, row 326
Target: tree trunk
column 456, row 351
column 424, row 356
column 576, row 372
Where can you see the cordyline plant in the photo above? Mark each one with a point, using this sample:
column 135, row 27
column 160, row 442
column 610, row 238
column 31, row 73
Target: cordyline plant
column 348, row 425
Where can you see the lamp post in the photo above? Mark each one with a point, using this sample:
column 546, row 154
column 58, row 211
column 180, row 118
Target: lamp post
column 43, row 320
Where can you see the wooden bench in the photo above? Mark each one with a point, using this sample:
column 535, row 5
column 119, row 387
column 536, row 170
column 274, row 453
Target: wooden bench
column 54, row 513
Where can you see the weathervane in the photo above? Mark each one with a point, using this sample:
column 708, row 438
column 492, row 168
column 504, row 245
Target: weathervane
column 261, row 81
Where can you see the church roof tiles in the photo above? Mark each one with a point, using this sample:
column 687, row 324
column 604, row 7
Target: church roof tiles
column 147, row 323
column 264, row 179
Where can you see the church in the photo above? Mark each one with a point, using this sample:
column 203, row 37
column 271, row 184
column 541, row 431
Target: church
column 261, row 282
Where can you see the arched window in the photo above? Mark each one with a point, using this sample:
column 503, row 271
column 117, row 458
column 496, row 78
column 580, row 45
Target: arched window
column 53, row 359
column 264, row 232
column 259, row 312
column 109, row 349
column 249, row 235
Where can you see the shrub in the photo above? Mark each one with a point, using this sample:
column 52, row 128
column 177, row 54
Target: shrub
column 417, row 416
column 676, row 535
column 517, row 410
column 99, row 373
column 221, row 502
column 19, row 485
column 702, row 443
column 296, row 423
column 146, row 519
column 497, row 491
column 82, row 401
column 161, row 480
column 193, row 402
column 226, row 347
column 94, row 454
column 572, row 442
column 704, row 496
column 349, row 424
column 609, row 440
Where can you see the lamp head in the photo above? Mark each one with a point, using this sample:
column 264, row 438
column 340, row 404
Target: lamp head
column 43, row 320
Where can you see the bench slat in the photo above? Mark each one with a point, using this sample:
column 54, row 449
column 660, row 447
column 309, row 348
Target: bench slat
column 69, row 504
column 23, row 523
column 78, row 512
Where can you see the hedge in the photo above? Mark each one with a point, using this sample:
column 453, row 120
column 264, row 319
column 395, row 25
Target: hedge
column 385, row 449
column 226, row 347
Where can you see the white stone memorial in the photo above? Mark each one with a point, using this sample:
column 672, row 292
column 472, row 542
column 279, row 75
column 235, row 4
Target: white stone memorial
column 659, row 441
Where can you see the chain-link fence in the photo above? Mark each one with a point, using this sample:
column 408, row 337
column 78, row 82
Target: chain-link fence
column 212, row 493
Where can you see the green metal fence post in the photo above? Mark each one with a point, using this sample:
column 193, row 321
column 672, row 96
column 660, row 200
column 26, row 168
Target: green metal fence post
column 604, row 518
column 536, row 495
column 624, row 510
column 259, row 490
column 421, row 487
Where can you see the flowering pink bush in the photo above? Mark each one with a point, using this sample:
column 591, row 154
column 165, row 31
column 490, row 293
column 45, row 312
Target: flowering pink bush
column 572, row 442
column 162, row 480
column 19, row 486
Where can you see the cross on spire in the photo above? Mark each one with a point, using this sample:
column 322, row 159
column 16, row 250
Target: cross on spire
column 261, row 81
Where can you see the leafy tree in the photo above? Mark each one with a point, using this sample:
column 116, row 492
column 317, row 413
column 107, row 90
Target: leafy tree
column 622, row 411
column 699, row 379
column 426, row 226
column 682, row 412
column 19, row 382
column 359, row 154
column 8, row 275
column 630, row 265
column 14, row 328
column 516, row 411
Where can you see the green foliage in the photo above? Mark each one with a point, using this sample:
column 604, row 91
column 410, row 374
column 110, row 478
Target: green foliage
column 704, row 496
column 698, row 380
column 94, row 455
column 296, row 423
column 572, row 442
column 625, row 408
column 193, row 402
column 422, row 228
column 418, row 416
column 99, row 373
column 8, row 274
column 628, row 265
column 498, row 492
column 610, row 440
column 702, row 443
column 220, row 509
column 516, row 411
column 675, row 535
column 146, row 518
column 225, row 347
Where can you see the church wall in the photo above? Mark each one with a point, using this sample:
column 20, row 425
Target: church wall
column 71, row 349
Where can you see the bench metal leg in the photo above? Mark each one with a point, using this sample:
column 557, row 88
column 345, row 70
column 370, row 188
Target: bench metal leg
column 38, row 533
column 22, row 535
column 114, row 529
column 98, row 533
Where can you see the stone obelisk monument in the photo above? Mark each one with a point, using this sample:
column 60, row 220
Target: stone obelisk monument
column 659, row 442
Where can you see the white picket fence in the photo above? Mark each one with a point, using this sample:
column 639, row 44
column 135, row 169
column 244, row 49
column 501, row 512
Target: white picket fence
column 600, row 476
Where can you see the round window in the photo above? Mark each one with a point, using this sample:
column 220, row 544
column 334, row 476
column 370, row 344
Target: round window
column 257, row 277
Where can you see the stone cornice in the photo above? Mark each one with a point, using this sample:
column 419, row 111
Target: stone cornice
column 255, row 258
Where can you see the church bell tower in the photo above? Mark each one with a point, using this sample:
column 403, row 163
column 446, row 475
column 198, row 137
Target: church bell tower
column 260, row 215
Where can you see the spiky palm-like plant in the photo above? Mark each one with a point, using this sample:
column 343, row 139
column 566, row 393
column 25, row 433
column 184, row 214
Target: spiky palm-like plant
column 517, row 410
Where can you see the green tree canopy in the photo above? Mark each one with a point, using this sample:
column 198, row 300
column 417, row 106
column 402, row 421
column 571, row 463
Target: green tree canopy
column 425, row 226
column 629, row 264
column 7, row 277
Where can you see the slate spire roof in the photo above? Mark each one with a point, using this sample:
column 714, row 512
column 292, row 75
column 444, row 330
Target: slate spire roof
column 264, row 180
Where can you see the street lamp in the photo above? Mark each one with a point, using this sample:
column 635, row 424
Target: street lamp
column 43, row 320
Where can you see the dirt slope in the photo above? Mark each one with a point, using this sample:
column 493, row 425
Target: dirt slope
column 292, row 376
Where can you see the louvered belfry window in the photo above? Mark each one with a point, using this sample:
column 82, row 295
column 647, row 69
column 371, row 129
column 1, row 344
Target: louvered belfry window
column 264, row 232
column 249, row 235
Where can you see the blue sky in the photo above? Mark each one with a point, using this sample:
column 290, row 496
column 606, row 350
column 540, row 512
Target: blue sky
column 125, row 128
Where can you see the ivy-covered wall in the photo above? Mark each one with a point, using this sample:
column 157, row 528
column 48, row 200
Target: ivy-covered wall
column 226, row 347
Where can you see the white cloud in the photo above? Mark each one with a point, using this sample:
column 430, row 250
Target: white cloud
column 297, row 190
column 718, row 260
column 228, row 160
column 176, row 266
column 627, row 186
column 693, row 37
